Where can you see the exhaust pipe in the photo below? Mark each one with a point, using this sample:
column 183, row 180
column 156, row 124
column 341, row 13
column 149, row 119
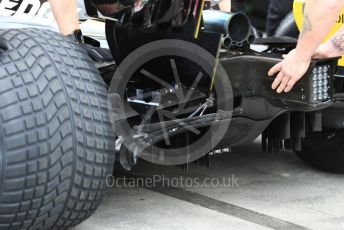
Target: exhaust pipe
column 227, row 43
column 235, row 26
column 251, row 39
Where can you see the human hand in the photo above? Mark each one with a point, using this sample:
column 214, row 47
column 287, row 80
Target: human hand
column 289, row 71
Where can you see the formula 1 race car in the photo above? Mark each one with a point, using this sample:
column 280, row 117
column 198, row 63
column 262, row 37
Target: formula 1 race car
column 185, row 82
column 231, row 104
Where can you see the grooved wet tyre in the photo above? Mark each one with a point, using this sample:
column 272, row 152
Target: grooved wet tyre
column 55, row 135
column 324, row 150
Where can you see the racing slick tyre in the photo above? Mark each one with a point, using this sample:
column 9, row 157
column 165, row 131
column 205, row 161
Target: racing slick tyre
column 324, row 150
column 55, row 134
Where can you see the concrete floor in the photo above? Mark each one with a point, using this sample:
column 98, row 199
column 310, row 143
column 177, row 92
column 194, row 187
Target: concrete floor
column 272, row 191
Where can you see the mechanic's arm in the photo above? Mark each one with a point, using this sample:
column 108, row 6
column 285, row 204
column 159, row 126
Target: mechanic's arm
column 225, row 5
column 334, row 47
column 66, row 15
column 319, row 16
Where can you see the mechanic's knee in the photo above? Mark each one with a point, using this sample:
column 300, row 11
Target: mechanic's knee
column 111, row 7
column 106, row 7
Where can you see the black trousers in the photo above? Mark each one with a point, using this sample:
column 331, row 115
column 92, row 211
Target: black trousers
column 278, row 10
column 104, row 1
column 123, row 2
column 93, row 12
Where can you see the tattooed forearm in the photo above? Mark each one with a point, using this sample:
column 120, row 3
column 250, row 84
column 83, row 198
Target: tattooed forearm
column 307, row 25
column 337, row 41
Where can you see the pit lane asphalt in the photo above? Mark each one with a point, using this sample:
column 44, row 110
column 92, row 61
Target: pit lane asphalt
column 268, row 191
